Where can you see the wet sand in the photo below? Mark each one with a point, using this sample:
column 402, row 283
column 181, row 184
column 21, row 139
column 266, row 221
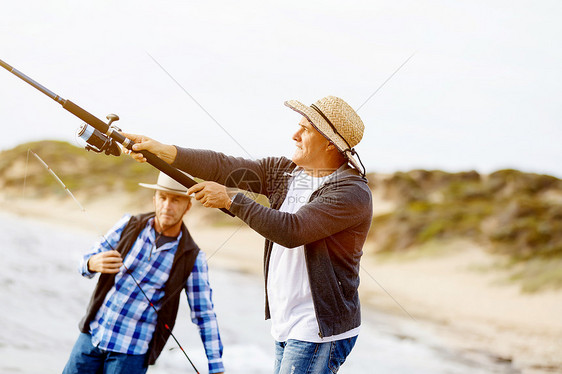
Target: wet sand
column 442, row 302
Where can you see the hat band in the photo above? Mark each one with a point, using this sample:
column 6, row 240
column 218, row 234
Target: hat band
column 329, row 123
column 349, row 148
column 171, row 189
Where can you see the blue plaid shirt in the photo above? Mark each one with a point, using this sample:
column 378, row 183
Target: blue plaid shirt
column 125, row 322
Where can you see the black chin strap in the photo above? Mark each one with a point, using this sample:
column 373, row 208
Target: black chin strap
column 354, row 153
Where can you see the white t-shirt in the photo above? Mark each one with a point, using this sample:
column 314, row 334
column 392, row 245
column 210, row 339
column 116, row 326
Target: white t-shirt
column 288, row 287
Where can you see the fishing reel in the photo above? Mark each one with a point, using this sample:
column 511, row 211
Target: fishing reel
column 98, row 141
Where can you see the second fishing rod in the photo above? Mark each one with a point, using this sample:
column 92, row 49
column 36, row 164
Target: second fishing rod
column 127, row 269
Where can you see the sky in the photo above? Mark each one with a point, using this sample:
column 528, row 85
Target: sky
column 482, row 90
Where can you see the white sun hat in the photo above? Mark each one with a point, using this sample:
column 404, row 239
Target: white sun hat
column 167, row 184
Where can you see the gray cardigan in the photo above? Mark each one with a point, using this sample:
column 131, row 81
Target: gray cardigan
column 332, row 226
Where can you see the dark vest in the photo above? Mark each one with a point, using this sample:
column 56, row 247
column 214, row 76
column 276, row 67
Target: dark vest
column 181, row 269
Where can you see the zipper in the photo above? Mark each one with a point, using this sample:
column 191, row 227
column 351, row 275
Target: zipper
column 320, row 334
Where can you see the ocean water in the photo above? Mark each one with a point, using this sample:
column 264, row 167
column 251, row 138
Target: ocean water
column 42, row 298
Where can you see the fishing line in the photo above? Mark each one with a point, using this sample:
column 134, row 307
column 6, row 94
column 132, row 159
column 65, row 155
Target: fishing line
column 56, row 178
column 127, row 270
column 25, row 175
column 387, row 79
column 200, row 106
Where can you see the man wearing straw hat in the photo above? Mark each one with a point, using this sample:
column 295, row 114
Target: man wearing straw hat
column 319, row 215
column 144, row 261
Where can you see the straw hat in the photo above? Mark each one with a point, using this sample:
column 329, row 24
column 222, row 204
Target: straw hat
column 337, row 121
column 167, row 184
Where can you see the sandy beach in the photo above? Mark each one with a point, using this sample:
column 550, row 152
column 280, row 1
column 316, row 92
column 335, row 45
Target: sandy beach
column 453, row 294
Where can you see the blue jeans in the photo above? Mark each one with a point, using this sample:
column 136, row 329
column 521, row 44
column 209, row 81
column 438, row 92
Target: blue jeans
column 86, row 359
column 298, row 357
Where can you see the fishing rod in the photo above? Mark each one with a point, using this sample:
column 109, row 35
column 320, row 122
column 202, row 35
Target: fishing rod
column 127, row 270
column 102, row 137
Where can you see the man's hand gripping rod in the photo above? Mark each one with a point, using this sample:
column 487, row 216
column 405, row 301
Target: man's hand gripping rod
column 109, row 130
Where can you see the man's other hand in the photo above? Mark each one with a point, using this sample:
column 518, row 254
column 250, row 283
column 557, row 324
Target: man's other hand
column 211, row 195
column 105, row 262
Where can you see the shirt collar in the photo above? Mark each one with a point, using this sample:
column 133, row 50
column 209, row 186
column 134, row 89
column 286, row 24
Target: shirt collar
column 152, row 237
column 338, row 172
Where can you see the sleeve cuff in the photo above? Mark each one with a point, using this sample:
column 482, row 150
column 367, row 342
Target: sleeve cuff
column 238, row 201
column 216, row 366
column 83, row 268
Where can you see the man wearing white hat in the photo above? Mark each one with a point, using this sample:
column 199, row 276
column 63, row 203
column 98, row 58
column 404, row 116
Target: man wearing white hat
column 319, row 215
column 125, row 328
